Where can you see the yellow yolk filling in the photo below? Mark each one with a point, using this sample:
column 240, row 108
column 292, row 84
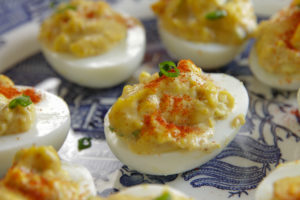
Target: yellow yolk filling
column 36, row 174
column 198, row 21
column 162, row 114
column 287, row 189
column 18, row 119
column 278, row 42
column 84, row 28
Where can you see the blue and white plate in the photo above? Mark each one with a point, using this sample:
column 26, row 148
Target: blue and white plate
column 270, row 136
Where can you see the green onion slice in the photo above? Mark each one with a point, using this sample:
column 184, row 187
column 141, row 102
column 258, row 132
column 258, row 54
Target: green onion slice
column 84, row 143
column 165, row 68
column 136, row 133
column 21, row 100
column 67, row 7
column 218, row 14
column 164, row 196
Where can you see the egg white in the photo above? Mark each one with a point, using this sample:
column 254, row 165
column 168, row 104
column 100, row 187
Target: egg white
column 154, row 190
column 298, row 98
column 82, row 176
column 51, row 127
column 105, row 70
column 273, row 80
column 206, row 55
column 168, row 163
column 264, row 190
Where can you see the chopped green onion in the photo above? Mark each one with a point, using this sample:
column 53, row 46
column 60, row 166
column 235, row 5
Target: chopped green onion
column 52, row 4
column 164, row 196
column 136, row 133
column 67, row 7
column 216, row 14
column 165, row 68
column 298, row 5
column 112, row 129
column 21, row 100
column 84, row 143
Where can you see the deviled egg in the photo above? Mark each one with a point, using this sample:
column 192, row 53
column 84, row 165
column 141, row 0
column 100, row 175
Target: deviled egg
column 275, row 56
column 211, row 33
column 178, row 113
column 29, row 116
column 90, row 44
column 37, row 173
column 281, row 184
column 148, row 192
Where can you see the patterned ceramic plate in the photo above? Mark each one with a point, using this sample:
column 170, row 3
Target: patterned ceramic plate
column 271, row 134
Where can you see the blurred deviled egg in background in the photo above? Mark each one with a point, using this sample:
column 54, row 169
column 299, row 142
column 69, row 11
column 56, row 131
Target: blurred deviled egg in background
column 90, row 44
column 38, row 173
column 29, row 117
column 283, row 183
column 275, row 56
column 211, row 33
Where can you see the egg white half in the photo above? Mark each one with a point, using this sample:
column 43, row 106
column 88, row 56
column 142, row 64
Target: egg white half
column 153, row 190
column 51, row 127
column 206, row 55
column 105, row 70
column 298, row 98
column 168, row 163
column 282, row 82
column 264, row 190
column 82, row 176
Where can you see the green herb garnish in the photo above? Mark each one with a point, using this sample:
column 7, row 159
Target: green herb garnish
column 21, row 100
column 52, row 4
column 136, row 133
column 164, row 196
column 165, row 68
column 84, row 143
column 112, row 129
column 67, row 7
column 298, row 5
column 218, row 14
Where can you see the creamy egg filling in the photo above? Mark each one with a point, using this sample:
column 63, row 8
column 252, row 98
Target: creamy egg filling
column 162, row 114
column 287, row 188
column 215, row 21
column 36, row 174
column 17, row 112
column 84, row 28
column 278, row 42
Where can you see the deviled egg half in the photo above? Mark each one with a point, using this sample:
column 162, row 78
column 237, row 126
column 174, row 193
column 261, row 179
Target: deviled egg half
column 29, row 117
column 211, row 33
column 90, row 44
column 37, row 173
column 177, row 114
column 275, row 56
column 283, row 183
column 148, row 192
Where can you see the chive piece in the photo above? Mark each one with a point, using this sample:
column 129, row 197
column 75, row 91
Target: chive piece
column 112, row 129
column 52, row 4
column 164, row 196
column 67, row 7
column 136, row 133
column 21, row 100
column 84, row 143
column 165, row 68
column 218, row 14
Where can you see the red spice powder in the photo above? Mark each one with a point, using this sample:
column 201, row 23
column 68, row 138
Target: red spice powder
column 155, row 83
column 35, row 97
column 183, row 66
column 10, row 92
